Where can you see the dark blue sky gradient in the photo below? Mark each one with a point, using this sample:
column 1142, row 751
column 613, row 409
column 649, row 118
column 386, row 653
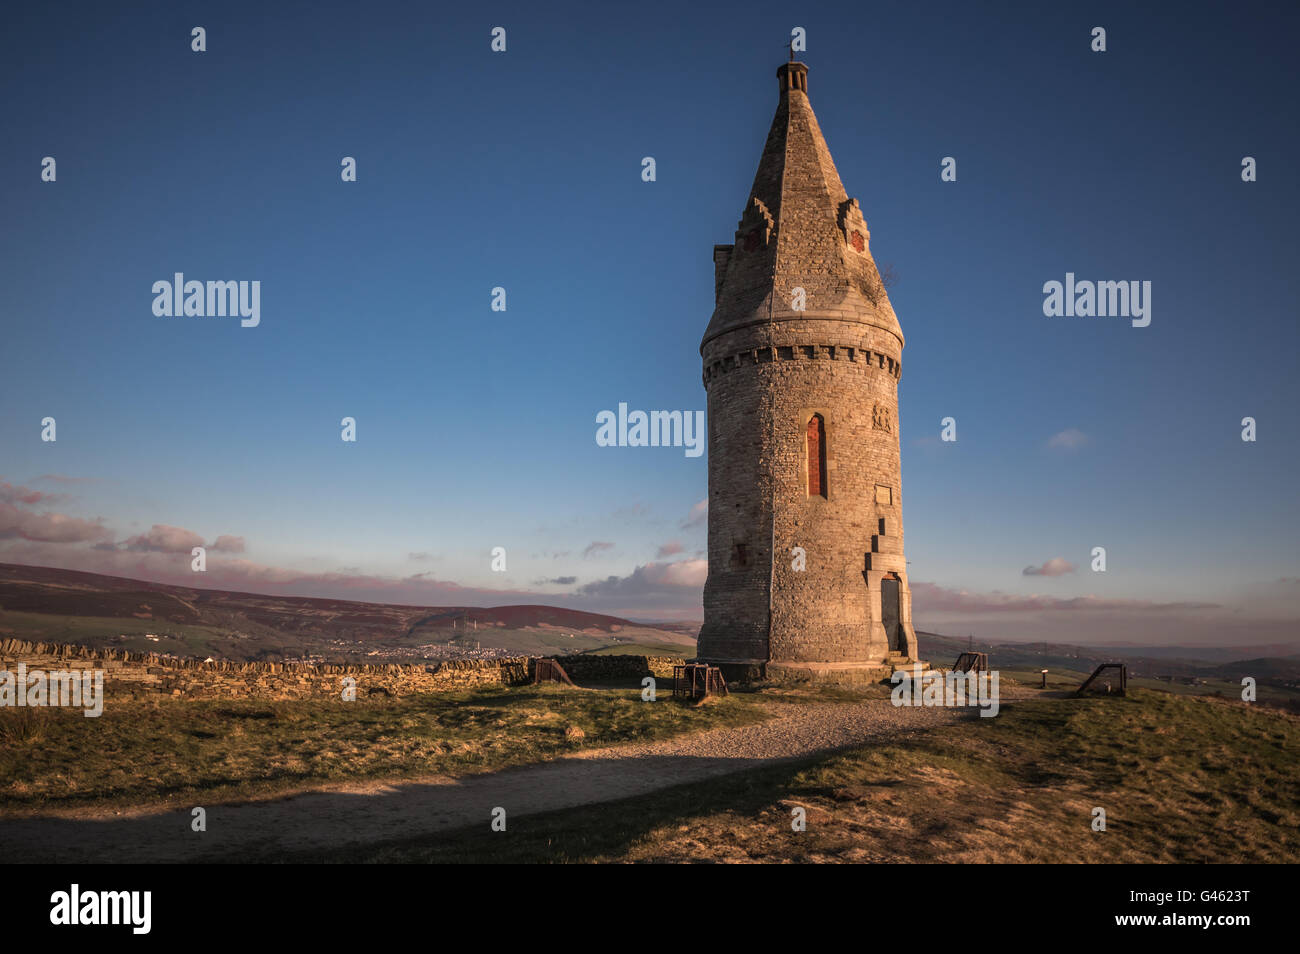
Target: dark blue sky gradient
column 522, row 170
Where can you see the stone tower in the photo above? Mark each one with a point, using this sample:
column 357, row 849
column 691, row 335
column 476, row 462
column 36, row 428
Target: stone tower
column 801, row 364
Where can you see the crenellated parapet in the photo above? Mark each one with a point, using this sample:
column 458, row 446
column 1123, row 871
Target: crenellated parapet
column 864, row 358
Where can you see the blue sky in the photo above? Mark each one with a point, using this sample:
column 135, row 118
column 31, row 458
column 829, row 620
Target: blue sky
column 522, row 170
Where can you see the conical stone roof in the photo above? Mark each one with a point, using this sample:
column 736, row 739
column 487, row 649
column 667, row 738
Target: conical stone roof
column 799, row 229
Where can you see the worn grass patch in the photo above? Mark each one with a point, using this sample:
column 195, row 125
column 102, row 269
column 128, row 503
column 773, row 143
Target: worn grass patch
column 169, row 751
column 1181, row 779
column 22, row 726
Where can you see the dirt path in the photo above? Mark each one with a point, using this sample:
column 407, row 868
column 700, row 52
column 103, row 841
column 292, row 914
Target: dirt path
column 372, row 812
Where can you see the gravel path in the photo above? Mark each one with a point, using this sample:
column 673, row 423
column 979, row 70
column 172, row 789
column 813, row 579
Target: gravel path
column 376, row 811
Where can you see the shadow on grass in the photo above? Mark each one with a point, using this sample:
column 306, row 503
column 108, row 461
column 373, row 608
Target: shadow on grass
column 453, row 817
column 1156, row 756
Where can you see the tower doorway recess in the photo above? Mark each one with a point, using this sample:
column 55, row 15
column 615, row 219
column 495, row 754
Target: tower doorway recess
column 889, row 614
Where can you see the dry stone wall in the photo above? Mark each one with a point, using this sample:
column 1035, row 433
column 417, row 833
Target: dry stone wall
column 149, row 675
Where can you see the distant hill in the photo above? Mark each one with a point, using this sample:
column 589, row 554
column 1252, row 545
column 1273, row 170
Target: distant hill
column 1206, row 653
column 689, row 627
column 1215, row 665
column 54, row 605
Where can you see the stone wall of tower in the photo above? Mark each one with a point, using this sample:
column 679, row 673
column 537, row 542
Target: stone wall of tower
column 764, row 382
column 740, row 516
column 825, row 612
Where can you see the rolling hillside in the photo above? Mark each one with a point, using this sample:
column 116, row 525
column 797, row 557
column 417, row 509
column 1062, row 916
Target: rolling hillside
column 53, row 605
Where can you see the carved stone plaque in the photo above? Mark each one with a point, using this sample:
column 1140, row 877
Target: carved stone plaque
column 880, row 419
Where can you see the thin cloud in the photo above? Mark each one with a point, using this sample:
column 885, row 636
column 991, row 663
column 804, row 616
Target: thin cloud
column 631, row 512
column 13, row 494
column 596, row 546
column 228, row 544
column 651, row 578
column 162, row 538
column 1069, row 439
column 934, row 598
column 1056, row 566
column 698, row 516
column 49, row 527
column 64, row 479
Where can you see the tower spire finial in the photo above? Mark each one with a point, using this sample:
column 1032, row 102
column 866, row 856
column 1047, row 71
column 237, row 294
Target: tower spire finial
column 793, row 75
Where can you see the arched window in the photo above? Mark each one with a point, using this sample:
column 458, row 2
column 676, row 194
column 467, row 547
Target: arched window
column 816, row 456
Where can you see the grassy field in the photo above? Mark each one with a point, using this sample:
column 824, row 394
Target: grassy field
column 1182, row 779
column 96, row 631
column 646, row 649
column 535, row 641
column 171, row 751
column 1067, row 679
column 189, row 639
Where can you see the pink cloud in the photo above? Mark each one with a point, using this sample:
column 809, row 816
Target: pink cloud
column 933, row 598
column 698, row 516
column 670, row 548
column 651, row 578
column 49, row 527
column 1093, row 620
column 1057, row 566
column 11, row 494
column 162, row 538
column 228, row 544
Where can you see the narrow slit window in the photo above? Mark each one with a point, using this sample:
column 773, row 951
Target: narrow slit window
column 816, row 456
